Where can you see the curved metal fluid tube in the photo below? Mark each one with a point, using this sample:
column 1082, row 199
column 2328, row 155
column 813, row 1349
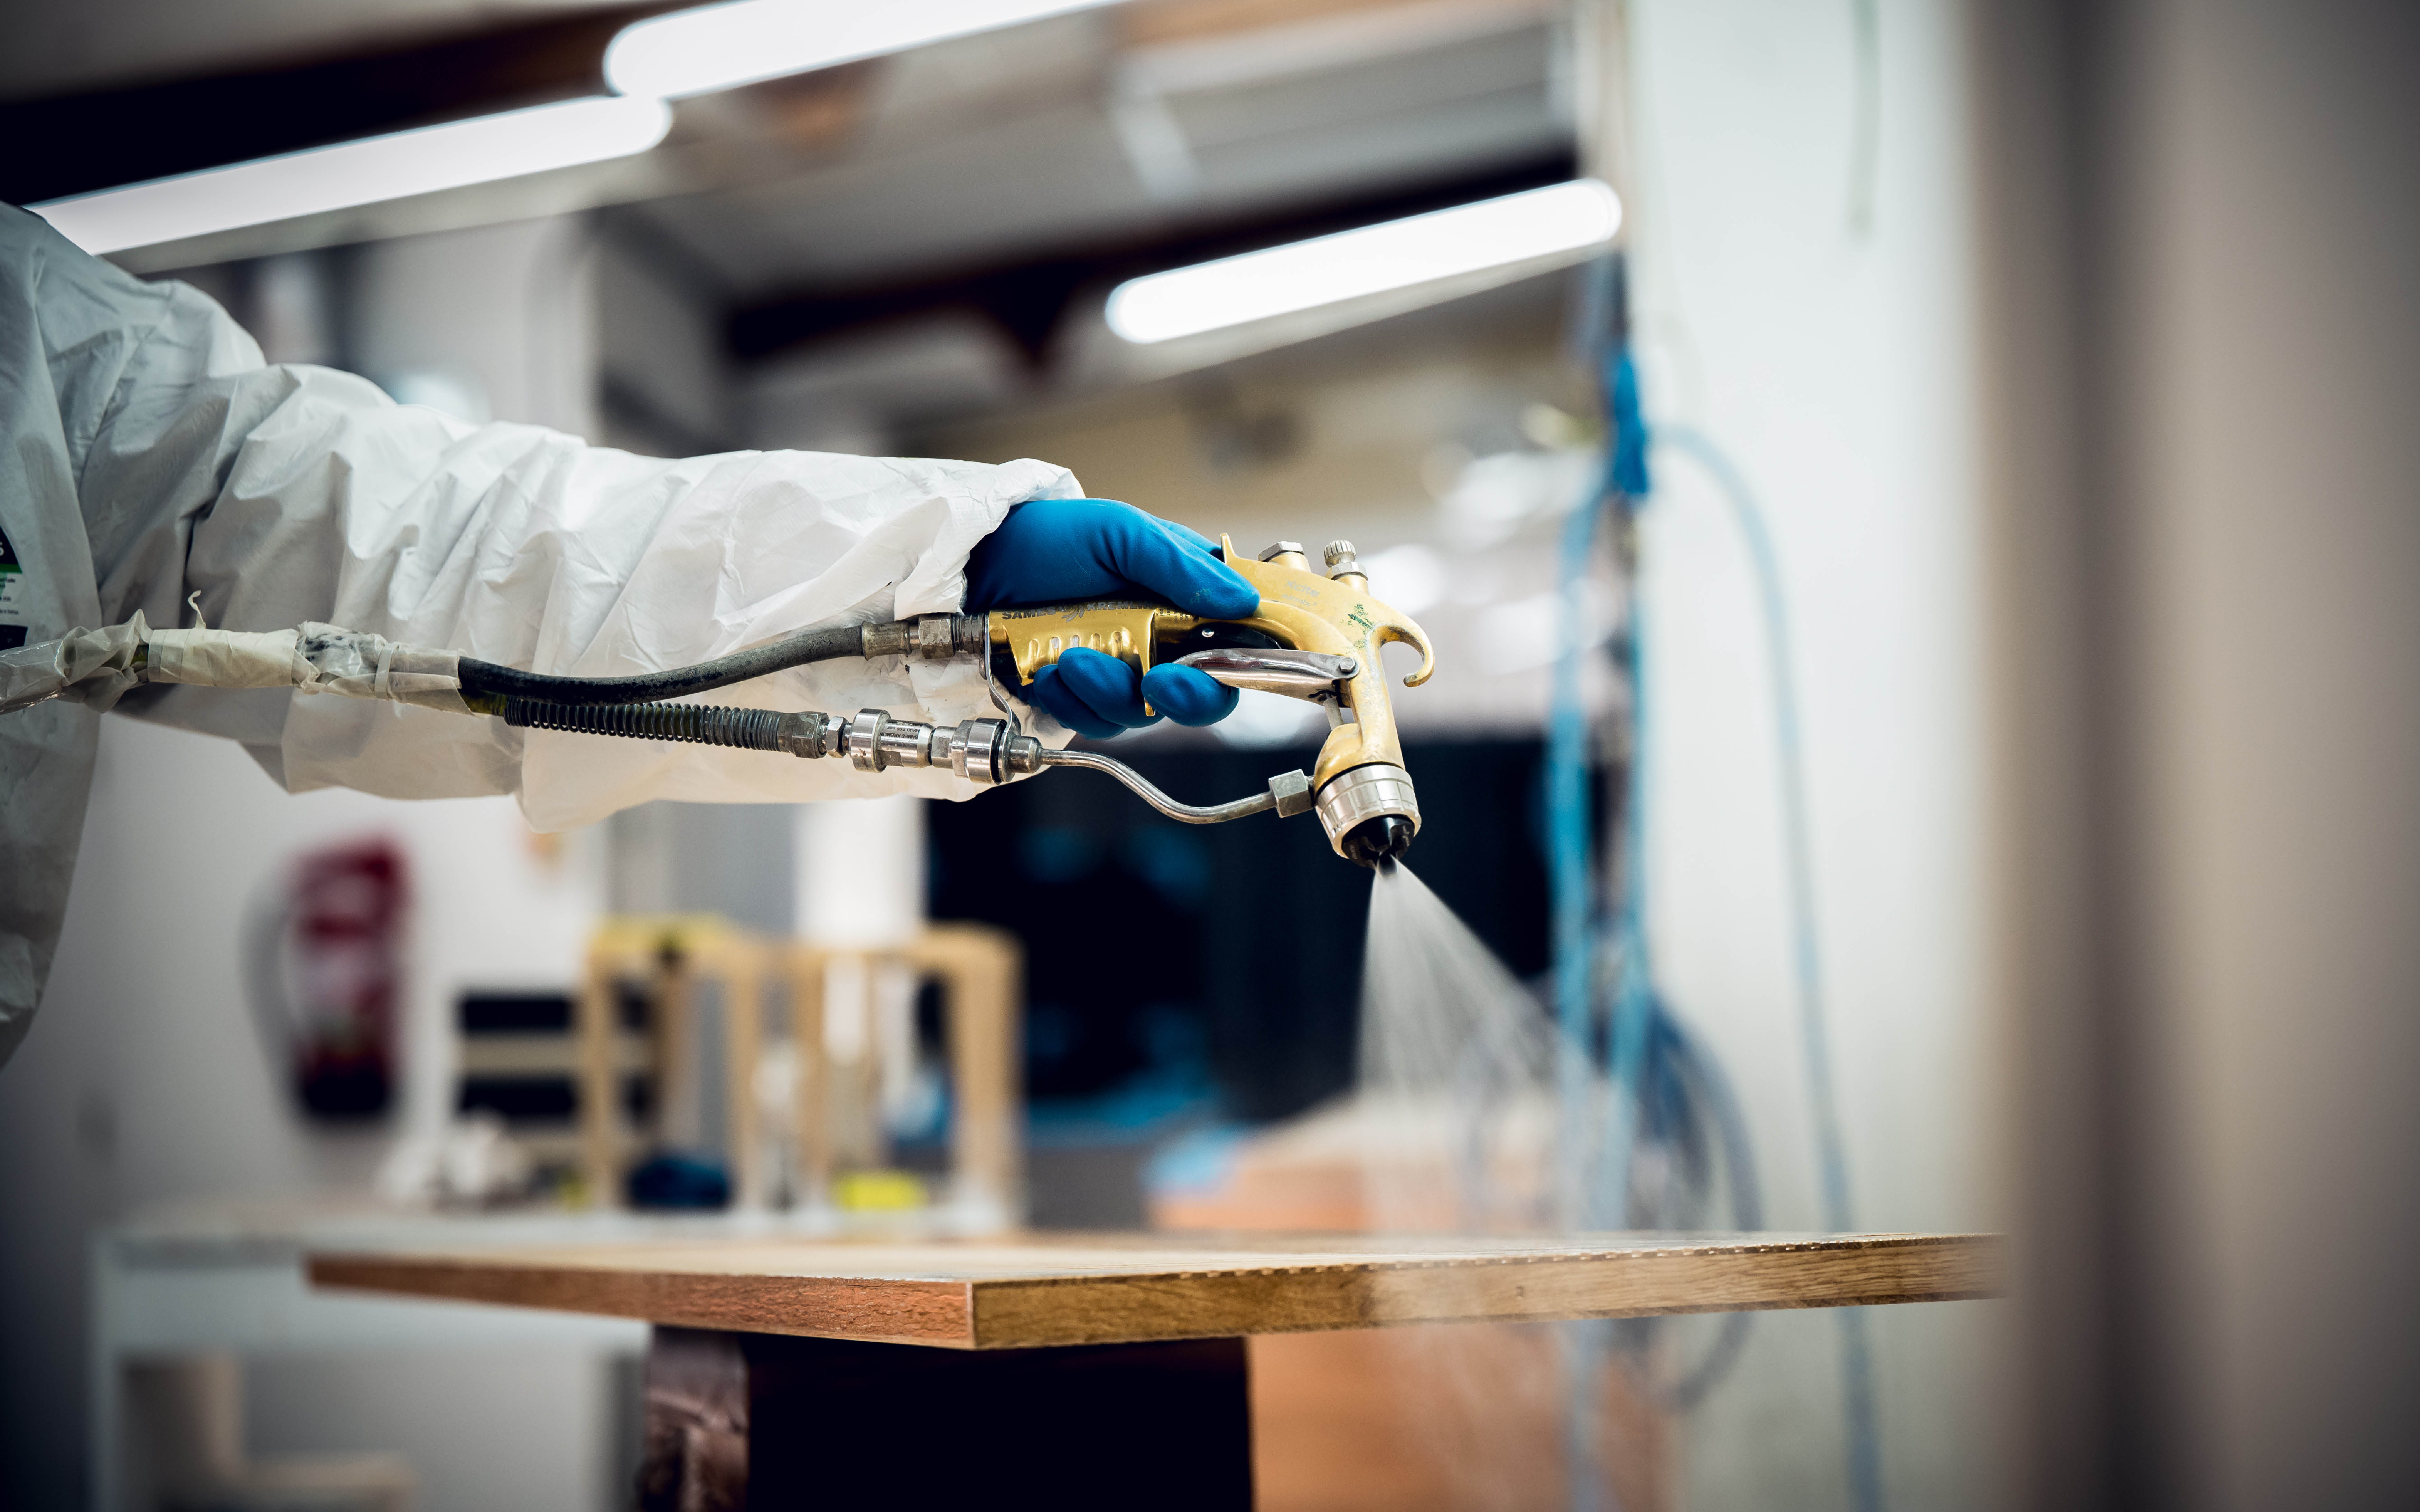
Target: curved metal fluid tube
column 1184, row 813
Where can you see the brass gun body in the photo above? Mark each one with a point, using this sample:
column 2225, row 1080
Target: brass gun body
column 1334, row 615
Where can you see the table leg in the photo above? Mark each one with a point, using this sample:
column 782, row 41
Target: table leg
column 772, row 1424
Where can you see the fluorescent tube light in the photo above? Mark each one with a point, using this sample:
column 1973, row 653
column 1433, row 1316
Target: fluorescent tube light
column 419, row 162
column 1304, row 275
column 716, row 47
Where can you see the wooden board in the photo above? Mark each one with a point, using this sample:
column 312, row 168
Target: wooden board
column 1101, row 1290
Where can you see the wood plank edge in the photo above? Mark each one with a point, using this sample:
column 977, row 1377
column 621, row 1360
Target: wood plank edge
column 1329, row 1298
column 1978, row 1250
column 995, row 1339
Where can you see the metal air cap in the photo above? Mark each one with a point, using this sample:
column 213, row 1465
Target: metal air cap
column 1380, row 790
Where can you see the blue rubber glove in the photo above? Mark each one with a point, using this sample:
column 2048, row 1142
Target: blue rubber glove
column 1055, row 550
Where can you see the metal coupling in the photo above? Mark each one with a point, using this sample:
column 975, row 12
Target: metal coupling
column 986, row 753
column 903, row 743
column 1292, row 791
column 974, row 750
column 863, row 740
column 877, row 742
column 1023, row 756
column 811, row 733
column 926, row 638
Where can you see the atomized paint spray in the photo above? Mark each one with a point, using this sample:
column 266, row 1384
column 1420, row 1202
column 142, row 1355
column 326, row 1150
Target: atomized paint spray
column 1457, row 1091
column 1457, row 1058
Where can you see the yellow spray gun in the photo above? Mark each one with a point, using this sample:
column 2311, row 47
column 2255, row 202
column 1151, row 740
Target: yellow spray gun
column 1313, row 637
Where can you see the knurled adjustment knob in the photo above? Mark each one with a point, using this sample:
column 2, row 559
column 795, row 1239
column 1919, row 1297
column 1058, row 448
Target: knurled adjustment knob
column 1341, row 557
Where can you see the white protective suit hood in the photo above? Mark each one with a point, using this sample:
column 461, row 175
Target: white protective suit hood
column 152, row 458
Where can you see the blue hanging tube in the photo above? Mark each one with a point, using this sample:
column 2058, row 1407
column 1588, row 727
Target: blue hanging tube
column 1622, row 481
column 1599, row 1138
column 1586, row 1346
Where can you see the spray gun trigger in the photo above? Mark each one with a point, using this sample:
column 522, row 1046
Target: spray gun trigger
column 1303, row 674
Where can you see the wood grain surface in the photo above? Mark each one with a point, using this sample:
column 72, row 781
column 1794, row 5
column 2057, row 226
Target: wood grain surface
column 1116, row 1289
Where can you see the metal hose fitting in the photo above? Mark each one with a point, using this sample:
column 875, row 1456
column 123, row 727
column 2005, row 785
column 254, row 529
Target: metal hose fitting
column 986, row 753
column 927, row 636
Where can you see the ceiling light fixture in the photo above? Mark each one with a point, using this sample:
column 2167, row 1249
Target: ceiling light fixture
column 419, row 162
column 717, row 47
column 650, row 62
column 1304, row 275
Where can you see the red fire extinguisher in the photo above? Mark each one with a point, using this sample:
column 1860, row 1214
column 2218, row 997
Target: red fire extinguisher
column 326, row 976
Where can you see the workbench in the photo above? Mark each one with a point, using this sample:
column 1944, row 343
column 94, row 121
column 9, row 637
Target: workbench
column 1077, row 1371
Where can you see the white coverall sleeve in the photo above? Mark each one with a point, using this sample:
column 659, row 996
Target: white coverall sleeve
column 149, row 456
column 285, row 494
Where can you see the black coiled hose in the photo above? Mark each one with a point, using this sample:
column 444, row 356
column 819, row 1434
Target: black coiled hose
column 708, row 724
column 487, row 679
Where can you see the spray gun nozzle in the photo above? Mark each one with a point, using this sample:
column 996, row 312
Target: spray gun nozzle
column 1376, row 843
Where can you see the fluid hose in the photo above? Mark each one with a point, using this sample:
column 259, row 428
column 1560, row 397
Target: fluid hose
column 803, row 733
column 487, row 679
column 707, row 724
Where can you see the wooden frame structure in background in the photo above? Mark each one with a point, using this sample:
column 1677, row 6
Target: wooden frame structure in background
column 978, row 967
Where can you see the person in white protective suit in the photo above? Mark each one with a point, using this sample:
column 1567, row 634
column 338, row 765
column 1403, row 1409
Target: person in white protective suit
column 152, row 464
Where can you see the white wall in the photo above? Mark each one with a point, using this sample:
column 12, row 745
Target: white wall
column 144, row 1081
column 1833, row 364
column 659, row 353
column 506, row 313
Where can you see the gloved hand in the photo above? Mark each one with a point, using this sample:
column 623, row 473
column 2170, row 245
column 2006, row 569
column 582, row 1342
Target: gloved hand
column 1053, row 550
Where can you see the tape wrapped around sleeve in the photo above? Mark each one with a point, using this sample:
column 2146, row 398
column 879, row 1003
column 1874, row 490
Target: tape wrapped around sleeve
column 316, row 658
column 364, row 666
column 96, row 667
column 225, row 658
column 91, row 667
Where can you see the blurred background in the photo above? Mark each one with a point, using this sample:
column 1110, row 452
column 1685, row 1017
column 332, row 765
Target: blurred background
column 1989, row 710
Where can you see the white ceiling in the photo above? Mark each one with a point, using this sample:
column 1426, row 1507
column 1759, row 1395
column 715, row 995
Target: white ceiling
column 1115, row 126
column 1002, row 146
